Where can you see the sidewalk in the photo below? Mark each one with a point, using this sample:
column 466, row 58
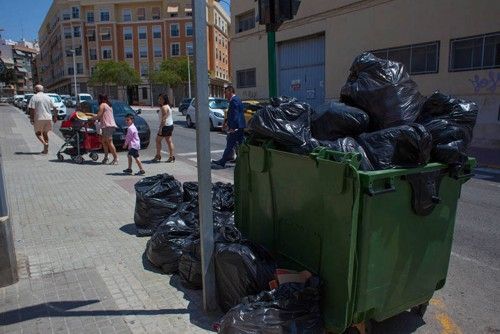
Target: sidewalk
column 81, row 267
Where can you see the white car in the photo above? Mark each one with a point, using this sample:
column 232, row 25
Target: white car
column 216, row 107
column 83, row 97
column 58, row 102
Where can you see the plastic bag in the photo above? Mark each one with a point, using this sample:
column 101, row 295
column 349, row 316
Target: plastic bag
column 349, row 144
column 335, row 120
column 190, row 191
column 403, row 146
column 450, row 153
column 291, row 308
column 287, row 122
column 241, row 269
column 165, row 246
column 223, row 196
column 190, row 264
column 384, row 90
column 157, row 197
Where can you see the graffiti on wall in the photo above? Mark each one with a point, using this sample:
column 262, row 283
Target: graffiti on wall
column 490, row 82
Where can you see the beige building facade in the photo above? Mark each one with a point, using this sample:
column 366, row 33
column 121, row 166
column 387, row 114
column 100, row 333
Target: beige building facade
column 142, row 33
column 448, row 45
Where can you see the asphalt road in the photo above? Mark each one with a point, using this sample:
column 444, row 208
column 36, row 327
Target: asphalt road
column 469, row 302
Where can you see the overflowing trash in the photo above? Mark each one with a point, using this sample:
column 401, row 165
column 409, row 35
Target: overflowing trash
column 290, row 308
column 381, row 115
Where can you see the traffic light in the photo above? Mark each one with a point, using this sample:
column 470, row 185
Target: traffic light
column 273, row 13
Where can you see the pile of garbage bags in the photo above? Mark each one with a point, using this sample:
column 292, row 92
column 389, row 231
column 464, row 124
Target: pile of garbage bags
column 381, row 115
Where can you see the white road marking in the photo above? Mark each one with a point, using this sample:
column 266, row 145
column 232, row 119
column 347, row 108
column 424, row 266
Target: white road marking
column 194, row 153
column 479, row 263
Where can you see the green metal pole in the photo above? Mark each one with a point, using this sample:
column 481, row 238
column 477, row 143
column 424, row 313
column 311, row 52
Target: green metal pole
column 271, row 61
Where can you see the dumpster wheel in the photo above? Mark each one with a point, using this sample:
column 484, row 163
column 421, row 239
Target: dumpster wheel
column 361, row 328
column 420, row 309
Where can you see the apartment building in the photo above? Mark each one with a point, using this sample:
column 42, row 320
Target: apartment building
column 19, row 56
column 142, row 33
column 451, row 46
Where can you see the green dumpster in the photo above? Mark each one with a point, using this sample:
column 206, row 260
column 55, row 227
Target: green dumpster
column 380, row 241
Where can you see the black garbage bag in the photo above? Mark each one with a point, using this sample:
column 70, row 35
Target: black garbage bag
column 190, row 191
column 242, row 268
column 287, row 122
column 171, row 236
column 157, row 197
column 349, row 144
column 223, row 196
column 335, row 120
column 190, row 263
column 384, row 90
column 450, row 153
column 403, row 146
column 291, row 308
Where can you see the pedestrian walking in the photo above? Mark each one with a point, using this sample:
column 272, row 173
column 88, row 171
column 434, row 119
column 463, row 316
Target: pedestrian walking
column 234, row 126
column 165, row 130
column 108, row 127
column 42, row 113
column 133, row 143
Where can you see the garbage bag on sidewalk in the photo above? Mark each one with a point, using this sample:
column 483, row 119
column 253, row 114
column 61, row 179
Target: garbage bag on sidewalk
column 157, row 197
column 349, row 144
column 190, row 191
column 291, row 308
column 190, row 263
column 242, row 268
column 335, row 120
column 384, row 90
column 165, row 246
column 287, row 122
column 403, row 146
column 223, row 196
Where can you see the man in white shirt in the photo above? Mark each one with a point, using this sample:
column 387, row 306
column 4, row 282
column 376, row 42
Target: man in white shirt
column 42, row 112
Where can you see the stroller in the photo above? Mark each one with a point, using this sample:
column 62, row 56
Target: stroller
column 80, row 137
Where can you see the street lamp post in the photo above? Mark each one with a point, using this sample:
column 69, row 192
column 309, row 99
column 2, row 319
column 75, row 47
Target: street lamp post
column 73, row 52
column 189, row 75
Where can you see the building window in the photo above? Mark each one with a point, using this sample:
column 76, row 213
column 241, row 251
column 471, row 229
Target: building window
column 417, row 58
column 127, row 15
column 174, row 30
column 106, row 53
column 143, row 52
column 129, row 53
column 475, row 53
column 245, row 21
column 245, row 78
column 106, row 34
column 66, row 15
column 71, row 70
column 78, row 51
column 189, row 49
column 173, row 11
column 90, row 17
column 91, row 35
column 158, row 52
column 143, row 33
column 79, row 68
column 75, row 12
column 144, row 72
column 174, row 49
column 76, row 31
column 104, row 15
column 127, row 33
column 67, row 32
column 189, row 29
column 188, row 11
column 92, row 54
column 156, row 32
column 144, row 92
column 156, row 13
column 141, row 14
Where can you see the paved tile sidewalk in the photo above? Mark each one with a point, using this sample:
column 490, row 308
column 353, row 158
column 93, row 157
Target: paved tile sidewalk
column 81, row 267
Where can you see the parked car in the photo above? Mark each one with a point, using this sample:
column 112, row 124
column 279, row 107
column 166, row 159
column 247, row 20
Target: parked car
column 71, row 102
column 120, row 110
column 65, row 98
column 17, row 100
column 58, row 102
column 83, row 97
column 26, row 100
column 216, row 107
column 185, row 105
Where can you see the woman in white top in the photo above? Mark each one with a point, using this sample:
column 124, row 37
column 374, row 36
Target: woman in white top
column 165, row 130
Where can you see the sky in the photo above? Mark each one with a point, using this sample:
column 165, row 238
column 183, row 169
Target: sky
column 22, row 18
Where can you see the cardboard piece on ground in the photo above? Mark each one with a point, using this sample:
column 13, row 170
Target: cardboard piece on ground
column 287, row 276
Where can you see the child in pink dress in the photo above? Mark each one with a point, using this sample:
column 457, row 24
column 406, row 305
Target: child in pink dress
column 133, row 143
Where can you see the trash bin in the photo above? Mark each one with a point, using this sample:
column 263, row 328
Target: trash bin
column 380, row 240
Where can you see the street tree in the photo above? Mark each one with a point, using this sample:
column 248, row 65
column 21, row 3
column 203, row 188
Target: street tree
column 119, row 73
column 173, row 72
column 8, row 76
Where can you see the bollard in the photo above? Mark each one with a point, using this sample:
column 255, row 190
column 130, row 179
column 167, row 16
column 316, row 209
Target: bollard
column 8, row 263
